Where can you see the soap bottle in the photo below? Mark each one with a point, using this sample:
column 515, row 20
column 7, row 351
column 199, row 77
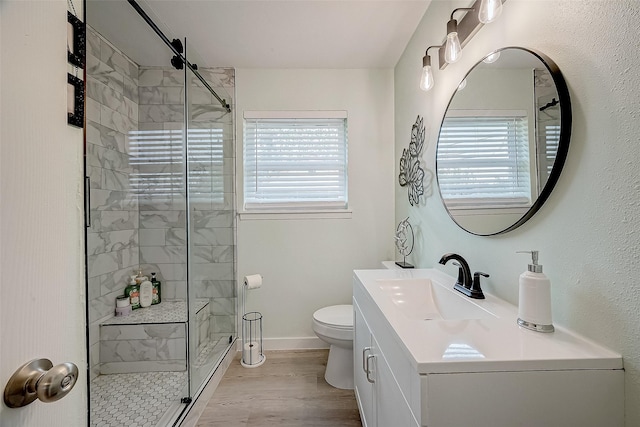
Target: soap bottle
column 534, row 307
column 146, row 293
column 133, row 292
column 156, row 289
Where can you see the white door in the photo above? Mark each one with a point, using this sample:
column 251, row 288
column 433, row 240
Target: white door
column 41, row 208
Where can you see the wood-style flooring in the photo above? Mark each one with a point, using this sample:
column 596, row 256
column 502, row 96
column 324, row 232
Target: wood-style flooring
column 288, row 390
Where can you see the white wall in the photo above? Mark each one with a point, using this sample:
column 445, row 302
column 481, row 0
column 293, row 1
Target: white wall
column 588, row 230
column 307, row 263
column 42, row 248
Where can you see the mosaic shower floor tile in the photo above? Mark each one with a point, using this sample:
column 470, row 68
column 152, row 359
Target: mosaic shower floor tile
column 135, row 400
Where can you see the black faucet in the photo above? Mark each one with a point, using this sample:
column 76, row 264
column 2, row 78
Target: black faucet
column 465, row 284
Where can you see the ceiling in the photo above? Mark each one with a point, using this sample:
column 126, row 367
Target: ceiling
column 264, row 33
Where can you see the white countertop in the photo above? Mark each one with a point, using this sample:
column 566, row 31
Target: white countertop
column 479, row 345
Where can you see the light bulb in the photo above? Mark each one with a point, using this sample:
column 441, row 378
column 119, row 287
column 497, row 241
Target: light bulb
column 426, row 81
column 462, row 84
column 452, row 50
column 490, row 59
column 489, row 10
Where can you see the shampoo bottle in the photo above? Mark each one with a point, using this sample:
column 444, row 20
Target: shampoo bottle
column 534, row 306
column 133, row 292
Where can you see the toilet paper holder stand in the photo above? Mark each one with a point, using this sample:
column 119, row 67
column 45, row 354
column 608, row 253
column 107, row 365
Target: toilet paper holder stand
column 252, row 351
column 252, row 341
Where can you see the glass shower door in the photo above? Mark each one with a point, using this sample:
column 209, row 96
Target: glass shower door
column 159, row 172
column 211, row 221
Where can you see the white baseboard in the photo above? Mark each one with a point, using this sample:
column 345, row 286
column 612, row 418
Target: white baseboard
column 297, row 343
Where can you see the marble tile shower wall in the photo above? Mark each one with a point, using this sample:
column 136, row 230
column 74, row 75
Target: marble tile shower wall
column 113, row 238
column 163, row 243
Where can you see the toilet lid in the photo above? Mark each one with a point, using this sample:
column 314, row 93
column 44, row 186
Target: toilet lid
column 340, row 316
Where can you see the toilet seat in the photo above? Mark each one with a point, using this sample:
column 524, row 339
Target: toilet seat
column 335, row 316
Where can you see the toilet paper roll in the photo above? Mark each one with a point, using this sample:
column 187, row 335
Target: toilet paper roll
column 251, row 353
column 253, row 281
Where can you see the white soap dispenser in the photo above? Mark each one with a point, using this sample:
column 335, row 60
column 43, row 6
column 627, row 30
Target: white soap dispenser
column 534, row 307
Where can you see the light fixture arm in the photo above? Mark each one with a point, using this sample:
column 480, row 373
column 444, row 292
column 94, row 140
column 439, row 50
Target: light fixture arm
column 426, row 59
column 460, row 8
column 452, row 24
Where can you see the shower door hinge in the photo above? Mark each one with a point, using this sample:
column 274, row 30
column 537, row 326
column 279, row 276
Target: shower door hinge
column 186, row 400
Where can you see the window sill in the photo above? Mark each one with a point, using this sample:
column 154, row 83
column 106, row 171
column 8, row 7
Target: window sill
column 307, row 214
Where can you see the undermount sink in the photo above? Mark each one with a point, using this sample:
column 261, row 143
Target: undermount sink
column 423, row 299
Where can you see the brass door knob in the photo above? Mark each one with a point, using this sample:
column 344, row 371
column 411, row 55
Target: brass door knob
column 39, row 379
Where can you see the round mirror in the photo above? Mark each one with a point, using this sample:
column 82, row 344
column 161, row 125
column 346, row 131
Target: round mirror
column 503, row 141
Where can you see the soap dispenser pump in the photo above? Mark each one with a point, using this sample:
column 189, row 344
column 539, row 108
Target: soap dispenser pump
column 534, row 306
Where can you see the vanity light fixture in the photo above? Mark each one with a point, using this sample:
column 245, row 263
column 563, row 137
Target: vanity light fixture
column 458, row 34
column 453, row 48
column 489, row 10
column 426, row 80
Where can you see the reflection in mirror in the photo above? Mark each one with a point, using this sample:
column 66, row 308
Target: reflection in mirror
column 503, row 141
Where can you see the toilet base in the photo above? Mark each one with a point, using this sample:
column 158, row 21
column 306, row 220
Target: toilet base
column 339, row 372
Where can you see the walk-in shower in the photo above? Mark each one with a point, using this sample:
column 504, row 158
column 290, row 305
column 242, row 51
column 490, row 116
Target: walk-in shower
column 159, row 162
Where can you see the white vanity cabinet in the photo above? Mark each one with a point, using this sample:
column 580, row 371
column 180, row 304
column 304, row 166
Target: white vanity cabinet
column 476, row 372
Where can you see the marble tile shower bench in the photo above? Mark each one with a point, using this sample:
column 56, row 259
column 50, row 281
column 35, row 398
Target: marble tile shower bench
column 150, row 339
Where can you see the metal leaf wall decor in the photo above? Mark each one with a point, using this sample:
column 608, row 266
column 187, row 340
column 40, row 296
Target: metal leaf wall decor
column 411, row 173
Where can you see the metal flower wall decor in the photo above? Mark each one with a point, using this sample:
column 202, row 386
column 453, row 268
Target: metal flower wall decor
column 411, row 173
column 404, row 238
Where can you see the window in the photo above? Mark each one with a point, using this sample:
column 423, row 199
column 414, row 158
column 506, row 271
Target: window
column 483, row 160
column 295, row 161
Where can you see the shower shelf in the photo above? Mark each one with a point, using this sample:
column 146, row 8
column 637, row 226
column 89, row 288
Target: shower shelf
column 152, row 339
column 165, row 312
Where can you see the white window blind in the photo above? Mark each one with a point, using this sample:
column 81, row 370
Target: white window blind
column 153, row 154
column 483, row 161
column 157, row 159
column 295, row 162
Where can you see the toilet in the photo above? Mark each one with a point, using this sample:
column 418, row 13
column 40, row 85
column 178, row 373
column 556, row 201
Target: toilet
column 334, row 325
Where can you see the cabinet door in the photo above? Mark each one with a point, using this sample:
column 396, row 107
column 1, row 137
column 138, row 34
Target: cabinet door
column 391, row 408
column 364, row 389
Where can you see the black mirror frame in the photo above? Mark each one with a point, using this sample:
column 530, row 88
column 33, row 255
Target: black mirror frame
column 563, row 142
